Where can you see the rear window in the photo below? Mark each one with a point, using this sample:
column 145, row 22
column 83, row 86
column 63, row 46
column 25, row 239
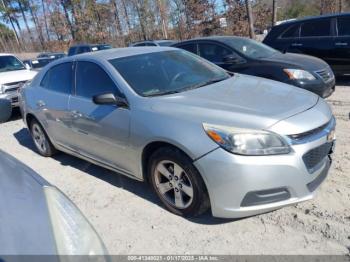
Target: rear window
column 316, row 28
column 59, row 78
column 291, row 32
column 344, row 26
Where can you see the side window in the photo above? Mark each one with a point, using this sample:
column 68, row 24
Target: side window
column 291, row 32
column 151, row 44
column 92, row 80
column 45, row 80
column 316, row 28
column 189, row 47
column 71, row 51
column 141, row 44
column 343, row 26
column 59, row 78
column 213, row 52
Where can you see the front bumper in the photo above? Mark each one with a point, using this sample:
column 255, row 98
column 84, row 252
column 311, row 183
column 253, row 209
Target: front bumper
column 236, row 182
column 12, row 96
column 319, row 87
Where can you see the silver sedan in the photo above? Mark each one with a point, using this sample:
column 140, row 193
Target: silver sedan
column 203, row 138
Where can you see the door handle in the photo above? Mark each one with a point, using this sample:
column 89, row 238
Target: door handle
column 40, row 103
column 296, row 44
column 341, row 44
column 76, row 114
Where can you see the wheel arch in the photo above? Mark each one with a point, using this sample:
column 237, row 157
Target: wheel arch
column 153, row 146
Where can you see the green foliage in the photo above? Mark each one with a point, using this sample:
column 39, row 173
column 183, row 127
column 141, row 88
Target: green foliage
column 5, row 32
column 298, row 9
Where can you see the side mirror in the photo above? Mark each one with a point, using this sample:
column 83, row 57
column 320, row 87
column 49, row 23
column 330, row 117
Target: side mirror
column 232, row 59
column 110, row 99
column 28, row 67
column 5, row 110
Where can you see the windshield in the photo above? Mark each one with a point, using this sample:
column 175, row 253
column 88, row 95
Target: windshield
column 10, row 63
column 251, row 48
column 167, row 72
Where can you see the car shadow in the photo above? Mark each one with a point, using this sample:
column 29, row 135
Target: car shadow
column 138, row 188
column 15, row 115
column 343, row 81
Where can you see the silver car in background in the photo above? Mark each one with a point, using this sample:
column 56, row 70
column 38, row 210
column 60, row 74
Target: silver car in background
column 241, row 145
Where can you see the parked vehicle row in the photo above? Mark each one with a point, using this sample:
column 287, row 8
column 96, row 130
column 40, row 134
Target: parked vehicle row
column 86, row 48
column 238, row 144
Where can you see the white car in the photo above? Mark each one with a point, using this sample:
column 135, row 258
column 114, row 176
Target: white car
column 13, row 75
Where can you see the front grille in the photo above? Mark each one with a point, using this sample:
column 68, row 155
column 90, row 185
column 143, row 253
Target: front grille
column 13, row 87
column 326, row 74
column 301, row 136
column 317, row 155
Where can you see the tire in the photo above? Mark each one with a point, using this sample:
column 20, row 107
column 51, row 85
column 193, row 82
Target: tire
column 41, row 140
column 177, row 182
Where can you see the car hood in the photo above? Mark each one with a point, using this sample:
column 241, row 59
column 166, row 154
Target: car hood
column 244, row 101
column 305, row 62
column 16, row 76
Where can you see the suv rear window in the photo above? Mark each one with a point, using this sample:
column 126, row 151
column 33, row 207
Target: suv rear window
column 344, row 26
column 316, row 28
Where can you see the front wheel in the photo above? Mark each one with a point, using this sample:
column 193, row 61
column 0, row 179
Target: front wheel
column 177, row 183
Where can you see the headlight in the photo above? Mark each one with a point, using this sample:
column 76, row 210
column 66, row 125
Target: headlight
column 299, row 74
column 74, row 235
column 247, row 141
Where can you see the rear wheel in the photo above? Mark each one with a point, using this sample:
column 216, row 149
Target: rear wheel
column 177, row 182
column 41, row 140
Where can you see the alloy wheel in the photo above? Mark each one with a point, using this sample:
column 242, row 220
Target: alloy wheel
column 173, row 184
column 39, row 138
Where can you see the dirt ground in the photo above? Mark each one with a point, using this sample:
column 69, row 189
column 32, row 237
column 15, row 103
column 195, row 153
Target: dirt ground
column 130, row 220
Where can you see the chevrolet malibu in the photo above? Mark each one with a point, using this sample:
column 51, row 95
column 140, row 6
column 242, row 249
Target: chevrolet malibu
column 240, row 145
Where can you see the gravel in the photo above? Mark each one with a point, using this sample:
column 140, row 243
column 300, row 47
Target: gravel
column 130, row 220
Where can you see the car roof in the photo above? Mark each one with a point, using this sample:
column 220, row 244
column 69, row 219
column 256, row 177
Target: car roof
column 6, row 54
column 115, row 53
column 307, row 18
column 222, row 39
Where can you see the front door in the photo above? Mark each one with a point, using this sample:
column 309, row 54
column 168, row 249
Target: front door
column 216, row 54
column 101, row 132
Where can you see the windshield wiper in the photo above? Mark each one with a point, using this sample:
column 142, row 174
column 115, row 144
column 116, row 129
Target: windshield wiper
column 164, row 93
column 212, row 81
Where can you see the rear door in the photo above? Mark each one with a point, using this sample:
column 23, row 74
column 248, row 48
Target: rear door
column 101, row 132
column 316, row 38
column 340, row 59
column 52, row 99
